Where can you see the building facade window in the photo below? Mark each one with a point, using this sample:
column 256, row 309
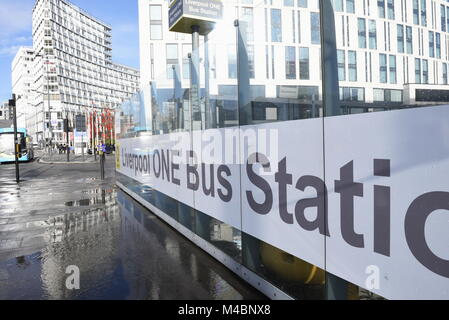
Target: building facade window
column 338, row 5
column 409, row 39
column 341, row 61
column 445, row 73
column 156, row 22
column 381, row 8
column 438, row 45
column 372, row 35
column 417, row 70
column 431, row 44
column 304, row 64
column 249, row 19
column 416, row 12
column 425, row 71
column 172, row 59
column 443, row 18
column 290, row 62
column 315, row 27
column 362, row 33
column 383, row 78
column 276, row 25
column 400, row 31
column 424, row 13
column 390, row 9
column 352, row 65
column 393, row 76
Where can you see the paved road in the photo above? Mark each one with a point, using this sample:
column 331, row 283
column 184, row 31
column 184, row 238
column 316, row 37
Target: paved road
column 62, row 215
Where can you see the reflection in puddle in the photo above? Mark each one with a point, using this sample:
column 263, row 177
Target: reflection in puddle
column 102, row 198
column 123, row 252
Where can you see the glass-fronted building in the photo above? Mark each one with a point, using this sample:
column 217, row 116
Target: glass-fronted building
column 73, row 73
column 276, row 161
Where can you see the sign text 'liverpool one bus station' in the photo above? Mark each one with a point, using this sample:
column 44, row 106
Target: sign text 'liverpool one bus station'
column 186, row 13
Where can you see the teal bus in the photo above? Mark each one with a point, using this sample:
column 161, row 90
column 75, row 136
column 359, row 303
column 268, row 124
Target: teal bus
column 7, row 145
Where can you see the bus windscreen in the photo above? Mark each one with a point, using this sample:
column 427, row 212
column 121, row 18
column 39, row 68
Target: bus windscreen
column 7, row 144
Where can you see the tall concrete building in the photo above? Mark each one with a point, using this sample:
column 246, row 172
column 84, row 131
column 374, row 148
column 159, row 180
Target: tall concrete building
column 73, row 69
column 5, row 111
column 22, row 86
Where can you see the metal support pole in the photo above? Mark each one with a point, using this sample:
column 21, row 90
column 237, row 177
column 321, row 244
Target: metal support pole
column 12, row 104
column 243, row 76
column 82, row 144
column 336, row 288
column 195, row 77
column 102, row 161
column 49, row 110
column 67, row 138
column 331, row 96
column 95, row 135
column 44, row 118
column 211, row 111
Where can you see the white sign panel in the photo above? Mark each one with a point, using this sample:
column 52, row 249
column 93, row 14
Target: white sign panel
column 388, row 180
column 371, row 205
column 272, row 186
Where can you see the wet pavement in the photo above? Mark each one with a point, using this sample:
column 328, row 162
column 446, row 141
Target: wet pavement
column 64, row 215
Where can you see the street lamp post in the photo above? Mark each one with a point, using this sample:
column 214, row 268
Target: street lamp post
column 67, row 130
column 94, row 132
column 49, row 150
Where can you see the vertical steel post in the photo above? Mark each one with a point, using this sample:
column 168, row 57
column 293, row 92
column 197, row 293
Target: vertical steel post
column 12, row 104
column 67, row 137
column 49, row 110
column 82, row 144
column 102, row 161
column 243, row 76
column 211, row 112
column 94, row 137
column 331, row 93
column 336, row 288
column 195, row 76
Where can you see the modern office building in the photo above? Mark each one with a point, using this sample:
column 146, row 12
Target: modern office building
column 390, row 52
column 22, row 86
column 5, row 111
column 276, row 163
column 74, row 72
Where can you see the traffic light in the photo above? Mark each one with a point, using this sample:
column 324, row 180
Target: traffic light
column 12, row 102
column 80, row 123
column 18, row 151
column 67, row 127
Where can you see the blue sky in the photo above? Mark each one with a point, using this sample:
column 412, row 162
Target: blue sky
column 15, row 31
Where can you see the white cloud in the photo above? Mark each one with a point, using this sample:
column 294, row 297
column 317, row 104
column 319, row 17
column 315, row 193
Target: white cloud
column 124, row 28
column 9, row 51
column 15, row 25
column 9, row 47
column 15, row 16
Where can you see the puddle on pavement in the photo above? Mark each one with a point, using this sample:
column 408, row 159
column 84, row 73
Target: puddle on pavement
column 103, row 196
column 122, row 252
column 97, row 191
